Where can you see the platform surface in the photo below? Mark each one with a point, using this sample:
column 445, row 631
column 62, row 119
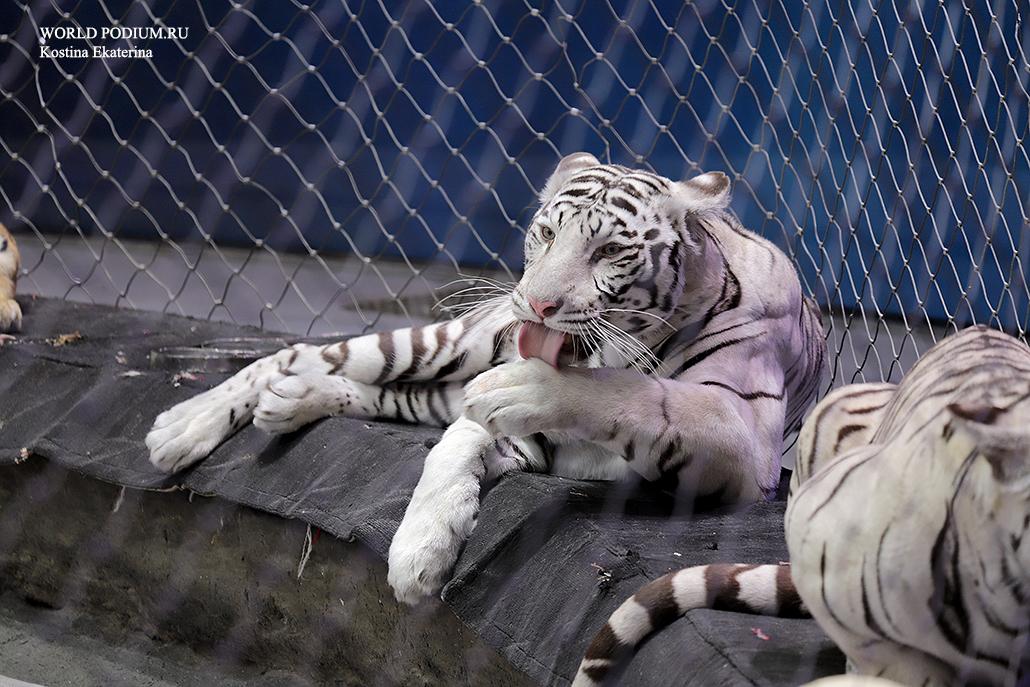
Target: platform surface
column 549, row 559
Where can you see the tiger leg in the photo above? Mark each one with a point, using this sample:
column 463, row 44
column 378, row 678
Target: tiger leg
column 443, row 508
column 707, row 437
column 296, row 400
column 447, row 351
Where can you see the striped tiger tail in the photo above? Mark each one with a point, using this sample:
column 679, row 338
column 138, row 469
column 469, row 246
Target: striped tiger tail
column 753, row 589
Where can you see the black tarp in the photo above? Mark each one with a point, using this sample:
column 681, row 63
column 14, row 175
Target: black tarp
column 549, row 560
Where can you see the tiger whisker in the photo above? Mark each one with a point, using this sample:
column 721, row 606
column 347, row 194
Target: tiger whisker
column 466, row 299
column 507, row 285
column 631, row 343
column 630, row 338
column 641, row 312
column 624, row 347
column 476, row 294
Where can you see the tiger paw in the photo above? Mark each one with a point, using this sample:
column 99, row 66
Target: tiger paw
column 189, row 431
column 10, row 316
column 423, row 553
column 521, row 398
column 297, row 400
column 416, row 572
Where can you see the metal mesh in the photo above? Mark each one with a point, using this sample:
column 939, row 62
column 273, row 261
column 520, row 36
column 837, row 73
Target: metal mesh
column 327, row 166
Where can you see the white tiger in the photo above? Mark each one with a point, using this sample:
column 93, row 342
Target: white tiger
column 650, row 333
column 906, row 528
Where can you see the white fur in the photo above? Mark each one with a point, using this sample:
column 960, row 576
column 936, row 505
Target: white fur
column 523, row 397
column 758, row 588
column 441, row 514
column 630, row 622
column 689, row 588
column 189, row 431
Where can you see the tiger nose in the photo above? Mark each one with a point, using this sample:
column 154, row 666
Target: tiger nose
column 545, row 308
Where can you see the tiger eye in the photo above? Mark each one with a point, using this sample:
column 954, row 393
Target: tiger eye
column 547, row 233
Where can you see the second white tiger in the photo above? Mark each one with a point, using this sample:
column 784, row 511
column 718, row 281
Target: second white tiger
column 650, row 334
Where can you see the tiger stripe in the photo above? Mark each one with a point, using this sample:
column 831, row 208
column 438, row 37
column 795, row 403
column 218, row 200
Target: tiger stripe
column 755, row 589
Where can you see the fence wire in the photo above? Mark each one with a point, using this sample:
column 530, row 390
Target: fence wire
column 328, row 166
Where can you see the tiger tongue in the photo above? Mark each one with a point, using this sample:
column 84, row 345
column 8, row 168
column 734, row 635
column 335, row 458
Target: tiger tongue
column 537, row 341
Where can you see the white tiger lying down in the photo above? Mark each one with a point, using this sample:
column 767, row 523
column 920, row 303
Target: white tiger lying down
column 905, row 527
column 658, row 337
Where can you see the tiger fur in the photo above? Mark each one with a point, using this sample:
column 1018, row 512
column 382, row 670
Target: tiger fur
column 691, row 352
column 906, row 528
column 10, row 311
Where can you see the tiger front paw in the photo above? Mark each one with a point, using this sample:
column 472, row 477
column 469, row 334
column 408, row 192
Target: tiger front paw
column 424, row 551
column 416, row 571
column 297, row 400
column 189, row 431
column 521, row 398
column 10, row 316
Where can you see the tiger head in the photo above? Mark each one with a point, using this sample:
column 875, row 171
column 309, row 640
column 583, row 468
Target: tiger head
column 999, row 435
column 609, row 257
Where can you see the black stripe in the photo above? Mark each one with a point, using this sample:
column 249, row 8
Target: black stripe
column 660, row 601
column 841, row 479
column 788, row 601
column 408, row 392
column 624, row 204
column 453, row 366
column 867, row 612
column 844, row 432
column 723, row 589
column 697, row 358
column 389, row 356
column 437, row 418
column 335, row 359
column 747, row 396
column 418, row 350
column 822, row 591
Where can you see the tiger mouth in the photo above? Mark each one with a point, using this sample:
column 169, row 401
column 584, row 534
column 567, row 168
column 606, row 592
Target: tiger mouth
column 554, row 347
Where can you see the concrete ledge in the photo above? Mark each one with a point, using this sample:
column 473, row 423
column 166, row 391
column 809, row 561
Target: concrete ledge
column 197, row 591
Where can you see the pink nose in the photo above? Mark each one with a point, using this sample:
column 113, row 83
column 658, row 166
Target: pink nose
column 544, row 308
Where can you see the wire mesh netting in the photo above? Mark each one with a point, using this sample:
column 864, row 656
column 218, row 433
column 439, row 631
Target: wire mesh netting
column 327, row 166
column 333, row 167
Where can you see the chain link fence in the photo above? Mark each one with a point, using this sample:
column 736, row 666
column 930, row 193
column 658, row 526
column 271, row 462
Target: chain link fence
column 332, row 168
column 327, row 167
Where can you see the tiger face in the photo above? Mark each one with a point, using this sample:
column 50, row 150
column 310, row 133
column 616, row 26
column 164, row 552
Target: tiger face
column 606, row 254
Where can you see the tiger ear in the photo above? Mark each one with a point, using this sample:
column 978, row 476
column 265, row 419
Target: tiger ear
column 705, row 192
column 1005, row 447
column 566, row 169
